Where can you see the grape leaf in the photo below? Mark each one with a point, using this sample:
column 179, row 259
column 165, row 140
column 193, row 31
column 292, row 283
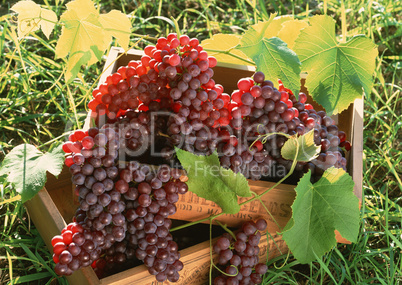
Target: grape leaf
column 75, row 61
column 290, row 31
column 337, row 72
column 49, row 19
column 86, row 35
column 276, row 25
column 307, row 149
column 117, row 25
column 221, row 43
column 318, row 210
column 82, row 32
column 31, row 17
column 207, row 179
column 272, row 56
column 25, row 167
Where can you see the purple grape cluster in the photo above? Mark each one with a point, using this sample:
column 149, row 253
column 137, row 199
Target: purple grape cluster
column 149, row 223
column 148, row 207
column 123, row 207
column 238, row 256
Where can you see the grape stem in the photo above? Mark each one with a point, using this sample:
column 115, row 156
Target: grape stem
column 163, row 135
column 265, row 207
column 266, row 136
column 250, row 200
column 226, row 229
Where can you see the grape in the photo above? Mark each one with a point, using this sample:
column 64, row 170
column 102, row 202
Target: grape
column 121, row 186
column 87, row 169
column 325, row 144
column 247, row 98
column 98, row 152
column 287, row 115
column 240, row 246
column 259, row 77
column 243, row 262
column 334, row 141
column 78, row 159
column 223, row 243
column 330, row 159
column 256, row 91
column 261, row 224
column 280, row 107
column 144, row 200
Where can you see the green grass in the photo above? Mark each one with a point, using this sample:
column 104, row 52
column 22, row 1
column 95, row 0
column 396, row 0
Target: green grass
column 36, row 106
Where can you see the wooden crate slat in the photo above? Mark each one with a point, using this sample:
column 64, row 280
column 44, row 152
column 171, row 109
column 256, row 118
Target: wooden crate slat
column 49, row 222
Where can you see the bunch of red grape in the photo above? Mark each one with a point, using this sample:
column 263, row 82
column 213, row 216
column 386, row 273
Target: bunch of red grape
column 262, row 109
column 169, row 99
column 239, row 256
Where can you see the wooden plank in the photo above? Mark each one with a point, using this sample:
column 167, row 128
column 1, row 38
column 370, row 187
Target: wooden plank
column 356, row 164
column 278, row 201
column 46, row 216
column 49, row 222
column 60, row 192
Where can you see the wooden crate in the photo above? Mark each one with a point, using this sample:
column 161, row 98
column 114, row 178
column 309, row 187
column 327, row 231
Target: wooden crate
column 53, row 207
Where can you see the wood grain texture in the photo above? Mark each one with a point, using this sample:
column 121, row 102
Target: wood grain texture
column 278, row 201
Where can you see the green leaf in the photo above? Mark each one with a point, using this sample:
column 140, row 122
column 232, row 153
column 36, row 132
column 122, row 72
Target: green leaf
column 75, row 61
column 307, row 150
column 31, row 16
column 337, row 72
column 25, row 167
column 272, row 56
column 32, row 277
column 209, row 180
column 318, row 210
column 221, row 43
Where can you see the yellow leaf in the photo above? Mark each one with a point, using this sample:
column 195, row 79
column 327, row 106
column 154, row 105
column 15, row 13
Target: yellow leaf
column 117, row 25
column 49, row 19
column 276, row 26
column 82, row 36
column 83, row 8
column 290, row 31
column 28, row 17
column 220, row 43
column 31, row 16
